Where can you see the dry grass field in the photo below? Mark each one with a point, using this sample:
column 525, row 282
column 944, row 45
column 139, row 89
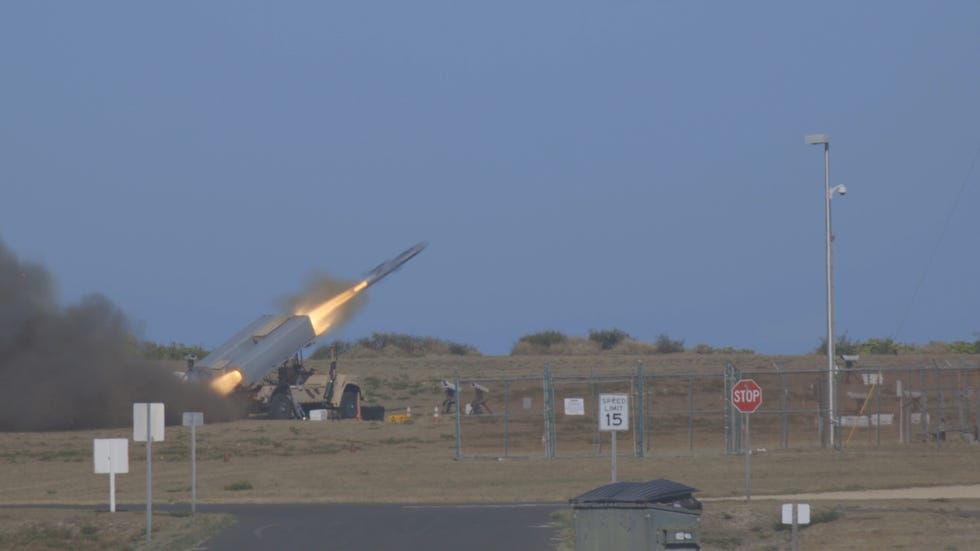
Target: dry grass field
column 262, row 461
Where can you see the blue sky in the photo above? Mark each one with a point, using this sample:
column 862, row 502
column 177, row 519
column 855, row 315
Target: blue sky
column 573, row 165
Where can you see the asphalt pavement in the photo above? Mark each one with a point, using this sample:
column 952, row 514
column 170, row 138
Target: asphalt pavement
column 355, row 527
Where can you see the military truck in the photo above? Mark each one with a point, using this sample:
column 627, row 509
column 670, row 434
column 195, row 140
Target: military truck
column 295, row 391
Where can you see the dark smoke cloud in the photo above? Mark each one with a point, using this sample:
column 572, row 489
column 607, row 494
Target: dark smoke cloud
column 76, row 367
column 320, row 288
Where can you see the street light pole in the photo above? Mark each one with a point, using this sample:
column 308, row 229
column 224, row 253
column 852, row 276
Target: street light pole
column 824, row 139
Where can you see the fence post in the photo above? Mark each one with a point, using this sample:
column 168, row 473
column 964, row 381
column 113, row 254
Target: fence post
column 733, row 419
column 976, row 413
column 459, row 398
column 506, row 417
column 784, row 434
column 690, row 412
column 596, row 441
column 553, row 413
column 940, row 408
column 640, row 419
column 960, row 396
column 547, row 419
column 821, row 409
column 881, row 382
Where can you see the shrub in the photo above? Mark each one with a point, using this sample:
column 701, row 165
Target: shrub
column 843, row 345
column 878, row 346
column 173, row 351
column 965, row 347
column 636, row 348
column 666, row 345
column 544, row 339
column 732, row 350
column 608, row 338
column 409, row 345
column 323, row 352
column 457, row 349
column 570, row 346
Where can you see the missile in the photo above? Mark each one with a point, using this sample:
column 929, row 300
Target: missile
column 389, row 266
column 263, row 345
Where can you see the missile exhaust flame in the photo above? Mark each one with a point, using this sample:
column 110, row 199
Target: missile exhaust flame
column 226, row 383
column 323, row 315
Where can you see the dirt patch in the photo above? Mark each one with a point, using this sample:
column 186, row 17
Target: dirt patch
column 80, row 530
column 960, row 491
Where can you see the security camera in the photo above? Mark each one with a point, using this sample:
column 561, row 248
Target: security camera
column 842, row 189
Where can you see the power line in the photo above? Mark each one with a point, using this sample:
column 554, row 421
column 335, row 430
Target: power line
column 935, row 248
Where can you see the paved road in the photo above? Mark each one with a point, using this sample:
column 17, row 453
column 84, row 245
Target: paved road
column 381, row 527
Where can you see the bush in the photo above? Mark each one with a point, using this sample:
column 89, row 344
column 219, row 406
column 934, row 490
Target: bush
column 571, row 346
column 544, row 339
column 608, row 338
column 965, row 347
column 666, row 345
column 878, row 346
column 400, row 344
column 238, row 486
column 323, row 352
column 843, row 345
column 173, row 351
column 457, row 349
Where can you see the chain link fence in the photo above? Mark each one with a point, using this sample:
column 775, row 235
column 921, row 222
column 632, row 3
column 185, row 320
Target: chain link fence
column 552, row 416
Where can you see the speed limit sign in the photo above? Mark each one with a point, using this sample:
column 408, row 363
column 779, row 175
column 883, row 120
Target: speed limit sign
column 614, row 412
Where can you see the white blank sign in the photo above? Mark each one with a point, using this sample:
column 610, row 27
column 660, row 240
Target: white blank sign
column 802, row 513
column 156, row 422
column 193, row 418
column 111, row 455
column 574, row 406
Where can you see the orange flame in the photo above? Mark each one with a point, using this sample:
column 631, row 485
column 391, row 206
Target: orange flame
column 323, row 315
column 227, row 382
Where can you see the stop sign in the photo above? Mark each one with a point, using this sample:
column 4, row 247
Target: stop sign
column 746, row 396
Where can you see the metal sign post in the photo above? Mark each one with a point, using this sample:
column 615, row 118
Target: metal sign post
column 796, row 514
column 748, row 457
column 747, row 397
column 192, row 419
column 111, row 455
column 148, row 425
column 614, row 416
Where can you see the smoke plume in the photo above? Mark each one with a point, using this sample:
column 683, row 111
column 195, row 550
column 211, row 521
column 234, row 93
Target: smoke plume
column 320, row 288
column 77, row 367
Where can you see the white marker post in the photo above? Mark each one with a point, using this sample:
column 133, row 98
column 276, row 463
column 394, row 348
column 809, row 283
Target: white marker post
column 796, row 514
column 614, row 416
column 111, row 455
column 192, row 419
column 147, row 427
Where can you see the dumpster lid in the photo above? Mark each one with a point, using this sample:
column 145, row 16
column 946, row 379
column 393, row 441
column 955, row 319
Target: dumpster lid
column 654, row 491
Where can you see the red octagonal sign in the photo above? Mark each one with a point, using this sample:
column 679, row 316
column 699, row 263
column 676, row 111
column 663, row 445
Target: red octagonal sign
column 746, row 396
